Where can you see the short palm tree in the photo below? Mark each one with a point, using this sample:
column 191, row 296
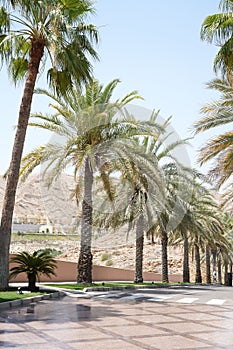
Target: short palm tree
column 35, row 264
column 31, row 32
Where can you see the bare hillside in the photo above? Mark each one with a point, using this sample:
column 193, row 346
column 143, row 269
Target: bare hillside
column 36, row 201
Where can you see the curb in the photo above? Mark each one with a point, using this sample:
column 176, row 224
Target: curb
column 152, row 286
column 29, row 300
column 107, row 289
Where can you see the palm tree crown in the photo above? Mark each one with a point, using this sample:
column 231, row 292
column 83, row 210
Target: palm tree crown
column 219, row 148
column 218, row 28
column 53, row 30
column 39, row 262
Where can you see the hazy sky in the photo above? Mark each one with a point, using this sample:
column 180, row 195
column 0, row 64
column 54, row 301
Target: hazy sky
column 151, row 46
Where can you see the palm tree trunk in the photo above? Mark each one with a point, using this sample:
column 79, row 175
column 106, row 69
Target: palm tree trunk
column 139, row 250
column 198, row 278
column 36, row 54
column 85, row 255
column 214, row 254
column 219, row 270
column 225, row 273
column 32, row 282
column 164, row 240
column 186, row 274
column 207, row 260
column 152, row 237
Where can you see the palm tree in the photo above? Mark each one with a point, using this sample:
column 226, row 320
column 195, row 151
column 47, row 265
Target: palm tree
column 219, row 148
column 201, row 227
column 146, row 201
column 177, row 179
column 217, row 28
column 146, row 206
column 208, row 233
column 32, row 31
column 39, row 262
column 95, row 135
column 139, row 195
column 165, row 215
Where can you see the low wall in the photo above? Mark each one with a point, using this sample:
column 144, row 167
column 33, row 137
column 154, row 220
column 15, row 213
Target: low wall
column 67, row 272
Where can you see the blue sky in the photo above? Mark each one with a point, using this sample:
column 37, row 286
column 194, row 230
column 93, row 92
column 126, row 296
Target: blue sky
column 151, row 46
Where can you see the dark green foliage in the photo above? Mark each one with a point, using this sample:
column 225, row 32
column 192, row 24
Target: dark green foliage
column 39, row 262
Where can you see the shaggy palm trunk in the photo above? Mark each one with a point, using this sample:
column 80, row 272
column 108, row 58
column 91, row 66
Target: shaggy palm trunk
column 225, row 273
column 152, row 238
column 186, row 274
column 36, row 54
column 198, row 278
column 207, row 261
column 32, row 282
column 214, row 254
column 85, row 255
column 139, row 250
column 164, row 240
column 219, row 270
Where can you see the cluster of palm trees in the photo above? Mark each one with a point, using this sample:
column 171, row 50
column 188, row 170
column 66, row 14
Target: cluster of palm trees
column 131, row 162
column 126, row 173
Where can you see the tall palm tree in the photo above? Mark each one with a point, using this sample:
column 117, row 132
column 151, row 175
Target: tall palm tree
column 218, row 28
column 95, row 135
column 139, row 196
column 32, row 31
column 39, row 262
column 146, row 205
column 177, row 179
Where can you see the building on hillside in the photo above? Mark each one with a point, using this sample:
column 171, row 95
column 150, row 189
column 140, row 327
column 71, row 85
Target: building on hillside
column 48, row 229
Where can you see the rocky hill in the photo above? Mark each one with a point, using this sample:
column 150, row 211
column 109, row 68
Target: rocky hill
column 38, row 203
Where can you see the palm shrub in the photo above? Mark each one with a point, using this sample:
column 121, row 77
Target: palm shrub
column 39, row 262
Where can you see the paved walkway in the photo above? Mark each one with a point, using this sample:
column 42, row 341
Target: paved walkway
column 192, row 294
column 98, row 323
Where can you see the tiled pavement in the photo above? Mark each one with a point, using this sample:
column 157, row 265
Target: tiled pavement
column 156, row 297
column 100, row 323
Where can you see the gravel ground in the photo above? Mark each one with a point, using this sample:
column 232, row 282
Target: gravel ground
column 115, row 255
